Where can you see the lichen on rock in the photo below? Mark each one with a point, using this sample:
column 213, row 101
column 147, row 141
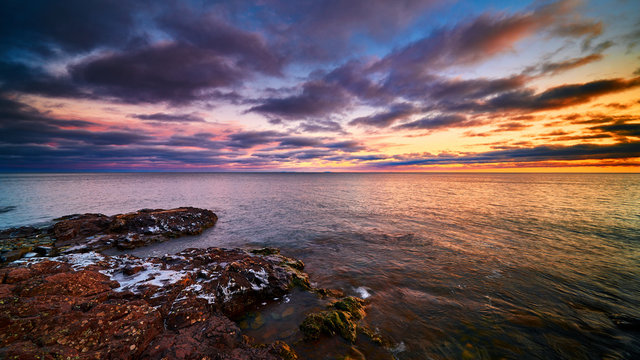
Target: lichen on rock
column 176, row 306
column 341, row 319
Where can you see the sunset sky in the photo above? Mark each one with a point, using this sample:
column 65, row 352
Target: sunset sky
column 337, row 85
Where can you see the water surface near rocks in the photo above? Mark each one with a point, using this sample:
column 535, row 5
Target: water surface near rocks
column 455, row 265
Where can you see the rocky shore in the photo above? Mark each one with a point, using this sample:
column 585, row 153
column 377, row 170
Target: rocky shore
column 98, row 232
column 60, row 297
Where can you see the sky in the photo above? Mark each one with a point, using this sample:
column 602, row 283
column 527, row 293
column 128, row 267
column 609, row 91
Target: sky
column 336, row 85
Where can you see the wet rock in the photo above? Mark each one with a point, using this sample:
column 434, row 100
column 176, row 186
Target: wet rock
column 266, row 251
column 15, row 243
column 282, row 350
column 288, row 312
column 257, row 322
column 373, row 336
column 352, row 305
column 20, row 233
column 46, row 250
column 341, row 320
column 354, row 354
column 98, row 232
column 90, row 305
column 95, row 232
column 333, row 293
column 15, row 254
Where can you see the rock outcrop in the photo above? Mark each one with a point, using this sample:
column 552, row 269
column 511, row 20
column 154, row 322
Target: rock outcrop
column 60, row 297
column 89, row 305
column 97, row 232
column 341, row 319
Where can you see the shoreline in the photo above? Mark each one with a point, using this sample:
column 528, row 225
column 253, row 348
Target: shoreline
column 60, row 296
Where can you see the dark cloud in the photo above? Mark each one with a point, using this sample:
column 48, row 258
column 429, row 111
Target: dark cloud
column 322, row 126
column 580, row 137
column 625, row 150
column 169, row 117
column 171, row 72
column 473, row 41
column 352, row 77
column 248, row 139
column 578, row 28
column 299, row 141
column 15, row 113
column 317, row 98
column 207, row 31
column 437, row 122
column 346, row 146
column 387, row 118
column 620, row 129
column 599, row 48
column 200, row 54
column 17, row 77
column 557, row 97
column 44, row 27
column 324, row 94
column 552, row 68
column 199, row 140
column 455, row 90
column 618, row 106
column 511, row 126
column 323, row 30
column 42, row 130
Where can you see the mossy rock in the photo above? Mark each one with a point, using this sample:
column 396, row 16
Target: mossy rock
column 330, row 322
column 341, row 320
column 352, row 305
column 281, row 349
column 266, row 251
column 354, row 354
column 257, row 322
column 301, row 280
column 374, row 336
column 333, row 293
column 293, row 263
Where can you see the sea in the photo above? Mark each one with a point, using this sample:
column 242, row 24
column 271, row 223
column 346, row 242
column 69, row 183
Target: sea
column 452, row 265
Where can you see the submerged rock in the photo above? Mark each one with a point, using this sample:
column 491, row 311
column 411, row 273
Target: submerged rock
column 341, row 320
column 61, row 298
column 98, row 232
column 90, row 305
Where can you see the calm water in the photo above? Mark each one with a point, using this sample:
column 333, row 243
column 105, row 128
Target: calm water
column 456, row 265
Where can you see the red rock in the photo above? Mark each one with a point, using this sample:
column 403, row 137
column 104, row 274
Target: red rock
column 94, row 232
column 173, row 307
column 76, row 283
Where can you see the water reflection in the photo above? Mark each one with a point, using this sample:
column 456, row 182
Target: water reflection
column 456, row 265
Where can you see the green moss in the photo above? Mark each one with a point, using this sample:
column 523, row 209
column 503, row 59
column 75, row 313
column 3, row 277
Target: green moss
column 330, row 322
column 293, row 263
column 301, row 280
column 334, row 293
column 341, row 319
column 281, row 349
column 312, row 326
column 374, row 336
column 352, row 305
column 266, row 251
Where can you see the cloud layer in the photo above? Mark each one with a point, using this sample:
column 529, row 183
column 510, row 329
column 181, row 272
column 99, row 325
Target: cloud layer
column 351, row 85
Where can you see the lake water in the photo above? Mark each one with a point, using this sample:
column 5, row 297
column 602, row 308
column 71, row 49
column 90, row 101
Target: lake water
column 455, row 265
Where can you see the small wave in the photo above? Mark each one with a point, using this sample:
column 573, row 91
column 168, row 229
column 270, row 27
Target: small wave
column 398, row 348
column 363, row 292
column 4, row 209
